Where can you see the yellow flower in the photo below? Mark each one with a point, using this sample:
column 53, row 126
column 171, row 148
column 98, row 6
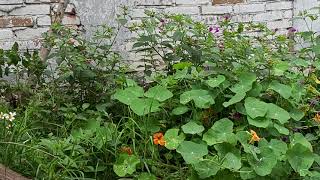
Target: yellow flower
column 317, row 118
column 254, row 137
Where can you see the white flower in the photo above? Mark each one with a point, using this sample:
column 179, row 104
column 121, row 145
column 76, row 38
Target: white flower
column 11, row 116
column 2, row 115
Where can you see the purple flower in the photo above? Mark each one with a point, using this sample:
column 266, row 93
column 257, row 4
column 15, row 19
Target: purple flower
column 214, row 29
column 227, row 17
column 292, row 30
column 276, row 29
column 162, row 20
column 217, row 29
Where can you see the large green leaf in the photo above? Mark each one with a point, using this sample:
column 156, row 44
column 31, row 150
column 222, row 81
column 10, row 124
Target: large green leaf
column 192, row 128
column 281, row 129
column 300, row 158
column 246, row 80
column 276, row 112
column 207, row 167
column 143, row 106
column 259, row 122
column 128, row 95
column 279, row 147
column 180, row 110
column 201, row 98
column 232, row 161
column 297, row 114
column 255, row 108
column 173, row 138
column 229, row 155
column 298, row 138
column 126, row 164
column 235, row 99
column 220, row 132
column 159, row 93
column 192, row 152
column 264, row 162
column 247, row 173
column 215, row 82
column 283, row 90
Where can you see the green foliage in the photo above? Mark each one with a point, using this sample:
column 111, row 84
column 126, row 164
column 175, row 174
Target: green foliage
column 225, row 105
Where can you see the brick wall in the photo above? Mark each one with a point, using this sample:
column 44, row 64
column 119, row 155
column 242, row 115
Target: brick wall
column 276, row 14
column 24, row 21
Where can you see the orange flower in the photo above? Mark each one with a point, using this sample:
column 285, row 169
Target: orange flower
column 317, row 118
column 127, row 150
column 158, row 139
column 254, row 136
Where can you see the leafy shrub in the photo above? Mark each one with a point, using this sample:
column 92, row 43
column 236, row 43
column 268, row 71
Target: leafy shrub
column 233, row 101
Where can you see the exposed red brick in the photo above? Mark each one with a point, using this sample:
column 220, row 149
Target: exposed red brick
column 215, row 2
column 14, row 21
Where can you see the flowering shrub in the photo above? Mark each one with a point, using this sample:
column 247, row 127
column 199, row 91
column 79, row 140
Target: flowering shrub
column 227, row 104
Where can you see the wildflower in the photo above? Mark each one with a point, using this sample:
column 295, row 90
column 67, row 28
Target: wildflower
column 11, row 116
column 2, row 115
column 292, row 30
column 254, row 136
column 317, row 118
column 127, row 150
column 210, row 29
column 158, row 139
column 214, row 29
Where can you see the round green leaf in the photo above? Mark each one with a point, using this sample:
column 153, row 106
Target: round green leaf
column 201, row 98
column 276, row 112
column 264, row 162
column 220, row 132
column 192, row 128
column 255, row 108
column 126, row 164
column 247, row 173
column 259, row 122
column 173, row 139
column 235, row 99
column 128, row 95
column 281, row 129
column 143, row 106
column 246, row 80
column 207, row 167
column 180, row 110
column 159, row 93
column 232, row 161
column 298, row 138
column 300, row 158
column 192, row 152
column 297, row 114
column 215, row 82
column 283, row 90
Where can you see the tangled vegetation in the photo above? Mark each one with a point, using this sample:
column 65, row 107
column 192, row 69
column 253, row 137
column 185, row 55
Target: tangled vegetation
column 232, row 101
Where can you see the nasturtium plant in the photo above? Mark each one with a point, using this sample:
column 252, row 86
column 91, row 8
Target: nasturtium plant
column 173, row 138
column 192, row 128
column 221, row 131
column 255, row 107
column 159, row 93
column 125, row 165
column 180, row 110
column 201, row 98
column 215, row 82
column 192, row 152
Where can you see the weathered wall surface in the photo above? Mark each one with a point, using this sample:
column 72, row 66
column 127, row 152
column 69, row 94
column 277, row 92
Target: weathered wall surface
column 25, row 20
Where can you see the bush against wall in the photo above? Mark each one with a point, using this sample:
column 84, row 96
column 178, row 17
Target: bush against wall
column 226, row 104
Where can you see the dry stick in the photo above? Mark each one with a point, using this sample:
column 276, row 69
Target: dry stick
column 56, row 19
